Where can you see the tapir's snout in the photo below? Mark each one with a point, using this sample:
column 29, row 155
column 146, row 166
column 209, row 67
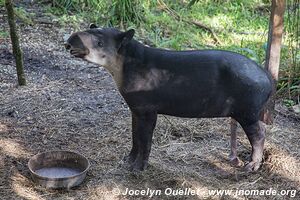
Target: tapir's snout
column 76, row 46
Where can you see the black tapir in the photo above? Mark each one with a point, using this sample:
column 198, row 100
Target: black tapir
column 192, row 84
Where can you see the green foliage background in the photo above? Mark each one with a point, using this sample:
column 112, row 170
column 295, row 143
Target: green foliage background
column 240, row 25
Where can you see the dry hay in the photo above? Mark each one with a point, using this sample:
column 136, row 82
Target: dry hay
column 69, row 104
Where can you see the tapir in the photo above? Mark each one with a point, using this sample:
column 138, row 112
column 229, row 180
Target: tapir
column 190, row 84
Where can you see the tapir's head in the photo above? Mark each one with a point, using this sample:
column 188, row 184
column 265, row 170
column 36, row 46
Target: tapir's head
column 100, row 46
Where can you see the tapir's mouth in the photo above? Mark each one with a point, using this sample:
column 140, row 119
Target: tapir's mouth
column 79, row 53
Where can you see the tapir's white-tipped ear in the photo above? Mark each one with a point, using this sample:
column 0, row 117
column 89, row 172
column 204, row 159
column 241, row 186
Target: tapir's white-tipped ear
column 125, row 37
column 129, row 34
column 91, row 26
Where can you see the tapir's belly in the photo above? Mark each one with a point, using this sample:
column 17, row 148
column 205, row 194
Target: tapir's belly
column 186, row 102
column 195, row 108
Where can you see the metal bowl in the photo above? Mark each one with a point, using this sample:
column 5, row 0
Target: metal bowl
column 58, row 169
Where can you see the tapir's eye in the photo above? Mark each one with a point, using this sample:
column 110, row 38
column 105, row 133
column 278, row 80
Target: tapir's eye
column 100, row 44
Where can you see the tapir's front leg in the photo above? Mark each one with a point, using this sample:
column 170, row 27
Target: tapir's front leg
column 143, row 124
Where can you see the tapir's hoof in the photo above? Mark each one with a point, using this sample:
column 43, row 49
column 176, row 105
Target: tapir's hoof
column 235, row 162
column 252, row 166
column 129, row 159
column 138, row 166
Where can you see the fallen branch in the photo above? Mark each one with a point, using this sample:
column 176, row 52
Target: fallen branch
column 200, row 25
column 43, row 21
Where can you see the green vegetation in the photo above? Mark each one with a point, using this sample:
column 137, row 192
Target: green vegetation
column 127, row 11
column 289, row 84
column 3, row 34
column 21, row 14
column 24, row 16
column 240, row 26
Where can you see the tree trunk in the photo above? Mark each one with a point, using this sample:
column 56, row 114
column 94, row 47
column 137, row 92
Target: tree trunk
column 18, row 54
column 273, row 53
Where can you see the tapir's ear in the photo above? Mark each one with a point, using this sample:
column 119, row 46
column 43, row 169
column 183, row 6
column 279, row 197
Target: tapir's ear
column 91, row 26
column 125, row 37
column 129, row 34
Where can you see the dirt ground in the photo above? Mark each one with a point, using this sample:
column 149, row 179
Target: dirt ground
column 69, row 104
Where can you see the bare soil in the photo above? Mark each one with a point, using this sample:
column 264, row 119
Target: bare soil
column 69, row 104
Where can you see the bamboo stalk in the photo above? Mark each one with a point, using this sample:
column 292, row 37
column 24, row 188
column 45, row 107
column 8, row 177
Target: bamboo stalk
column 18, row 54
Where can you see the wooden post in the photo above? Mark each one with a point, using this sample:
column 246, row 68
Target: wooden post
column 18, row 54
column 273, row 53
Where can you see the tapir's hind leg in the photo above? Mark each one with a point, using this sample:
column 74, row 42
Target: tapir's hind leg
column 256, row 135
column 233, row 143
